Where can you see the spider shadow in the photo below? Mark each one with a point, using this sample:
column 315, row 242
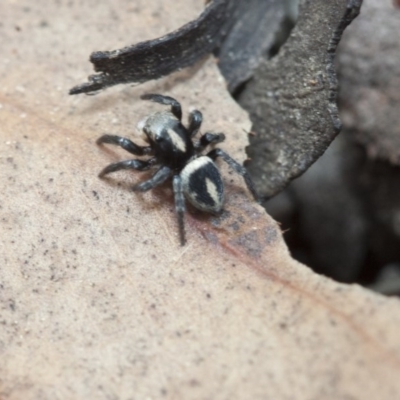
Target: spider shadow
column 160, row 196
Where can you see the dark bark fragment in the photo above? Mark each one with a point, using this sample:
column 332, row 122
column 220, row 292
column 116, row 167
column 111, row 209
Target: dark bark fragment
column 253, row 34
column 292, row 98
column 159, row 57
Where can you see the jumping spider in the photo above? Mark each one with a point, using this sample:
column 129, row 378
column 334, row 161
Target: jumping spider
column 171, row 145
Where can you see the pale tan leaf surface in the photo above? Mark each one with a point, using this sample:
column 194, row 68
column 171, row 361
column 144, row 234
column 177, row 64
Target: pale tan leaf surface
column 97, row 298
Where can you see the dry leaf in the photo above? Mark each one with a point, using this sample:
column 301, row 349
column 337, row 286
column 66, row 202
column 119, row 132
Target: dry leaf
column 98, row 299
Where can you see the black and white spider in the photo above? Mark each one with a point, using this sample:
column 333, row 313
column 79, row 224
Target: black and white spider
column 171, row 145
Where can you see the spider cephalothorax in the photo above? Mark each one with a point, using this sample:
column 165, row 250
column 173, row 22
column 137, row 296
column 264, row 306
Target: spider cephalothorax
column 171, row 146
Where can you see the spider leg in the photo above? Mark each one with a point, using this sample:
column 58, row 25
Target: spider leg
column 209, row 138
column 166, row 100
column 157, row 179
column 125, row 143
column 140, row 165
column 195, row 120
column 214, row 154
column 179, row 206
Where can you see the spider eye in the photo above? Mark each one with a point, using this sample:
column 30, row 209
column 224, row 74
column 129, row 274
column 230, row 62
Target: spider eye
column 159, row 139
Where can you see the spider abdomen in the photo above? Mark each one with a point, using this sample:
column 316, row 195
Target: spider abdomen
column 202, row 184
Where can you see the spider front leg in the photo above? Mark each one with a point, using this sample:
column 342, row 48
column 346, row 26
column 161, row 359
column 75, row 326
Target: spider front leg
column 139, row 165
column 161, row 175
column 179, row 206
column 195, row 120
column 125, row 143
column 214, row 154
column 209, row 138
column 176, row 108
